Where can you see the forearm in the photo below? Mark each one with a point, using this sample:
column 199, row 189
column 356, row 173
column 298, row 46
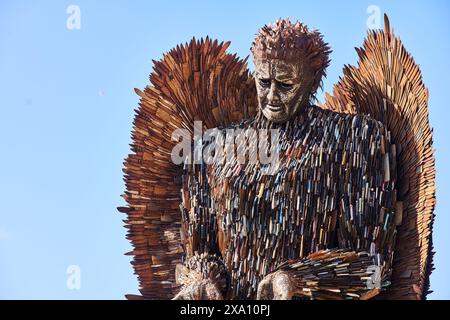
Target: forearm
column 203, row 274
column 198, row 217
column 334, row 274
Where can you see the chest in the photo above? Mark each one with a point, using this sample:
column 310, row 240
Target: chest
column 282, row 210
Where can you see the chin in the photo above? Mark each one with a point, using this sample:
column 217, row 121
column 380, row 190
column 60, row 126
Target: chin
column 275, row 116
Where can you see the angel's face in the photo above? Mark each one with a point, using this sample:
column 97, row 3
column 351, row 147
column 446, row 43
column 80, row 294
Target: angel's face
column 283, row 88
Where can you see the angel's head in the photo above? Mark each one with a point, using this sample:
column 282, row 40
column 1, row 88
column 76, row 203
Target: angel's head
column 290, row 62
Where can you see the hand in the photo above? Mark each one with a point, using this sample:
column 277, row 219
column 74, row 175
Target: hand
column 202, row 290
column 278, row 285
column 195, row 287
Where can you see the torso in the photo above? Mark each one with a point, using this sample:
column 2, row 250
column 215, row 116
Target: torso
column 265, row 220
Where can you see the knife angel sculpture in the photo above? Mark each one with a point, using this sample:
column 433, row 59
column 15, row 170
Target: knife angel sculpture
column 347, row 215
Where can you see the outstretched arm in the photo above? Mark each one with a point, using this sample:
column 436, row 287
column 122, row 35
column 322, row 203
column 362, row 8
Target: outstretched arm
column 326, row 274
column 366, row 230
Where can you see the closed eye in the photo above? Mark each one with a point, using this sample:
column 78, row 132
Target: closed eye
column 264, row 82
column 285, row 85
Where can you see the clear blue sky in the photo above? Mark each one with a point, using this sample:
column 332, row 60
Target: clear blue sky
column 66, row 108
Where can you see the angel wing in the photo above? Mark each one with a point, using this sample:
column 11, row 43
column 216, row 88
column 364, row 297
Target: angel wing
column 387, row 84
column 195, row 81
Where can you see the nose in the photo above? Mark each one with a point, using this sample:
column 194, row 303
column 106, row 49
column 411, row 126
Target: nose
column 272, row 97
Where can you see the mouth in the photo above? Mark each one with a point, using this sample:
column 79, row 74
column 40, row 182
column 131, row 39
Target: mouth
column 274, row 107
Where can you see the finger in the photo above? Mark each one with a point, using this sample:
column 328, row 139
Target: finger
column 265, row 290
column 187, row 293
column 210, row 292
column 179, row 296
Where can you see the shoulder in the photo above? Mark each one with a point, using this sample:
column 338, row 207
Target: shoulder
column 348, row 124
